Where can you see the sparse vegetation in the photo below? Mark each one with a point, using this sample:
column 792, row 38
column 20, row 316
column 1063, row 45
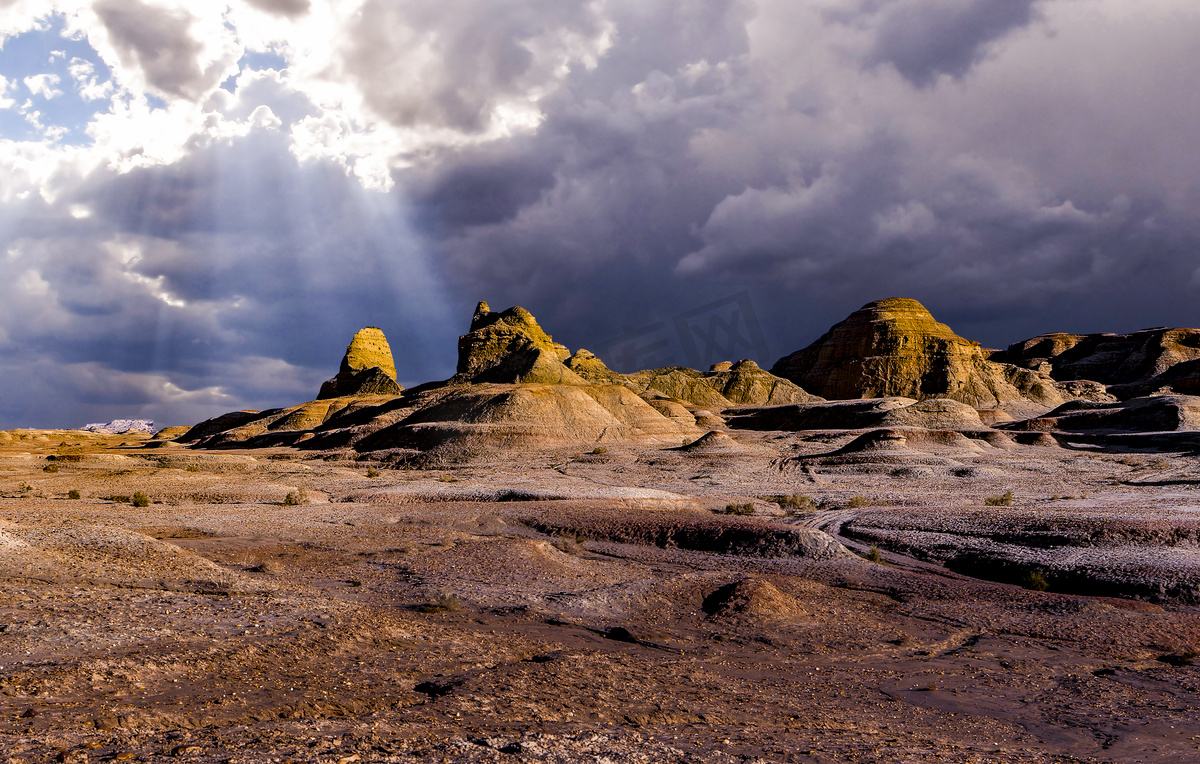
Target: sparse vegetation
column 25, row 488
column 571, row 543
column 446, row 602
column 140, row 499
column 794, row 503
column 296, row 498
column 857, row 502
column 354, row 582
column 1035, row 581
column 50, row 468
column 117, row 498
column 192, row 468
column 372, row 472
column 599, row 450
column 739, row 509
column 1001, row 500
column 874, row 555
column 447, row 479
column 74, row 494
column 267, row 565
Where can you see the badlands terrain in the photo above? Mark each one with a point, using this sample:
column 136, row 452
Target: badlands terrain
column 894, row 546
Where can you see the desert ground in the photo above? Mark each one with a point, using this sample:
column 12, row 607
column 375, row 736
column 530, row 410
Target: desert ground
column 767, row 595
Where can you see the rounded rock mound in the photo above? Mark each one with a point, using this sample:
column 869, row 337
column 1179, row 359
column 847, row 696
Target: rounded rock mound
column 895, row 347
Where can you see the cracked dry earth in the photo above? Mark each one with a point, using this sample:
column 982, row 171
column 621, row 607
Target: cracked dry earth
column 591, row 607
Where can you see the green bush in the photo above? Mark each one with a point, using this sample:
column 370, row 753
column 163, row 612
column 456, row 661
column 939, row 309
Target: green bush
column 74, row 494
column 739, row 509
column 296, row 498
column 1035, row 581
column 50, row 468
column 141, row 500
column 118, row 498
column 1003, row 500
column 874, row 555
column 372, row 472
column 793, row 502
column 599, row 450
column 857, row 502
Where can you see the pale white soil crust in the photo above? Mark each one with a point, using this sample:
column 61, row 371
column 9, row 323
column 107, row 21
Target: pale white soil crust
column 601, row 607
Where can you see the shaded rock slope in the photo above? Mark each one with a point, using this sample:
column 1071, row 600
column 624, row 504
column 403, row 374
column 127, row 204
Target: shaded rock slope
column 1111, row 359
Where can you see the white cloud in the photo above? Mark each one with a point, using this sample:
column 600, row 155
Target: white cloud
column 44, row 85
column 90, row 88
column 5, row 102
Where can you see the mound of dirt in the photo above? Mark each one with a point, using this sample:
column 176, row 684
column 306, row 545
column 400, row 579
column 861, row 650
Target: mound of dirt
column 100, row 554
column 714, row 442
column 751, row 598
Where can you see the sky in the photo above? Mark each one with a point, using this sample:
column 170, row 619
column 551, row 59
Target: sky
column 200, row 203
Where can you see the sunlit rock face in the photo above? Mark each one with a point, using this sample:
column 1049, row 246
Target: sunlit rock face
column 510, row 347
column 895, row 347
column 367, row 368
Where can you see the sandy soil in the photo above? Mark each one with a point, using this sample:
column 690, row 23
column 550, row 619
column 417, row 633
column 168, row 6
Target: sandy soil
column 599, row 607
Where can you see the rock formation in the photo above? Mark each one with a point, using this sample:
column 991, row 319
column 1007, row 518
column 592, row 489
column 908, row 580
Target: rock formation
column 934, row 414
column 367, row 368
column 1182, row 378
column 724, row 386
column 1156, row 413
column 1112, row 359
column 510, row 347
column 895, row 348
column 514, row 388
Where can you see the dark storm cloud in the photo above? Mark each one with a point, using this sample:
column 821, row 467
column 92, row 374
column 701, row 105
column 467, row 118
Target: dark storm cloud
column 283, row 7
column 439, row 63
column 711, row 160
column 926, row 38
column 158, row 41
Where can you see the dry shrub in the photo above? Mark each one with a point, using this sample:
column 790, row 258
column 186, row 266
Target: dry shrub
column 1003, row 500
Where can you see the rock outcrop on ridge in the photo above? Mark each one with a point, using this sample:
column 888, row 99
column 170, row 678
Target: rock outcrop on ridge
column 1183, row 378
column 367, row 368
column 512, row 390
column 895, row 347
column 1156, row 413
column 724, row 386
column 1111, row 359
column 509, row 347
